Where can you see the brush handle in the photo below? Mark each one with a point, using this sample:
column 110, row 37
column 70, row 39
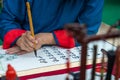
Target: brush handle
column 111, row 60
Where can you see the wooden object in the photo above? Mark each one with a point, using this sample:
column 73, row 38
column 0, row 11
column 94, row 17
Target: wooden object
column 94, row 63
column 79, row 32
column 30, row 18
column 117, row 64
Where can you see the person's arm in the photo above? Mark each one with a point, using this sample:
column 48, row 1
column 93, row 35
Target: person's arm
column 25, row 43
column 11, row 19
column 91, row 16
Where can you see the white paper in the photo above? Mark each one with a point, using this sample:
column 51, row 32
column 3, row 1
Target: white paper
column 47, row 56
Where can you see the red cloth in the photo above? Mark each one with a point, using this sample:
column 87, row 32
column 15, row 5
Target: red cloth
column 64, row 40
column 11, row 36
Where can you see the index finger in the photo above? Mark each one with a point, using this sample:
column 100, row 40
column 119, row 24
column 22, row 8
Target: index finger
column 30, row 37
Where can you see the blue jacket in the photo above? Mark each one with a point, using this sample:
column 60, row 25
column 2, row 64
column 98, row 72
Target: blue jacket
column 48, row 16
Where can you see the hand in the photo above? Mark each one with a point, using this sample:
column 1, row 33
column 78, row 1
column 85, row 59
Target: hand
column 15, row 50
column 26, row 42
column 41, row 38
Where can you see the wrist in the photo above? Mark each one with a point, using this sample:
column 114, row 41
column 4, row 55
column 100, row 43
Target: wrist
column 45, row 38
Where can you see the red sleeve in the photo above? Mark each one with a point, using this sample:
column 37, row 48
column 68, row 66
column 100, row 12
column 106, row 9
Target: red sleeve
column 63, row 40
column 11, row 36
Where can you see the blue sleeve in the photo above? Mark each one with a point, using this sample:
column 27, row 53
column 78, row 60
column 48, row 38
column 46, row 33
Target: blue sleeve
column 11, row 19
column 92, row 15
column 12, row 16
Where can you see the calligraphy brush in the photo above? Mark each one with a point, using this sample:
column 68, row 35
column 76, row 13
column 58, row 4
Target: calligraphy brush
column 31, row 24
column 94, row 62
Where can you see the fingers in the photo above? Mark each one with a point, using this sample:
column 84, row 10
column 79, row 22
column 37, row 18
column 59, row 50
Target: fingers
column 13, row 50
column 26, row 42
column 21, row 42
column 26, row 47
column 38, row 45
column 22, row 52
column 16, row 50
column 29, row 40
column 29, row 37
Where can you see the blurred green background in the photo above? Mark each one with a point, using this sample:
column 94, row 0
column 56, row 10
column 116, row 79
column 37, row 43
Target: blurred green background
column 111, row 12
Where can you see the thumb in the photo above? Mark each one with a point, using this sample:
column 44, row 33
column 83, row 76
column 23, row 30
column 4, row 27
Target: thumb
column 38, row 45
column 37, row 40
